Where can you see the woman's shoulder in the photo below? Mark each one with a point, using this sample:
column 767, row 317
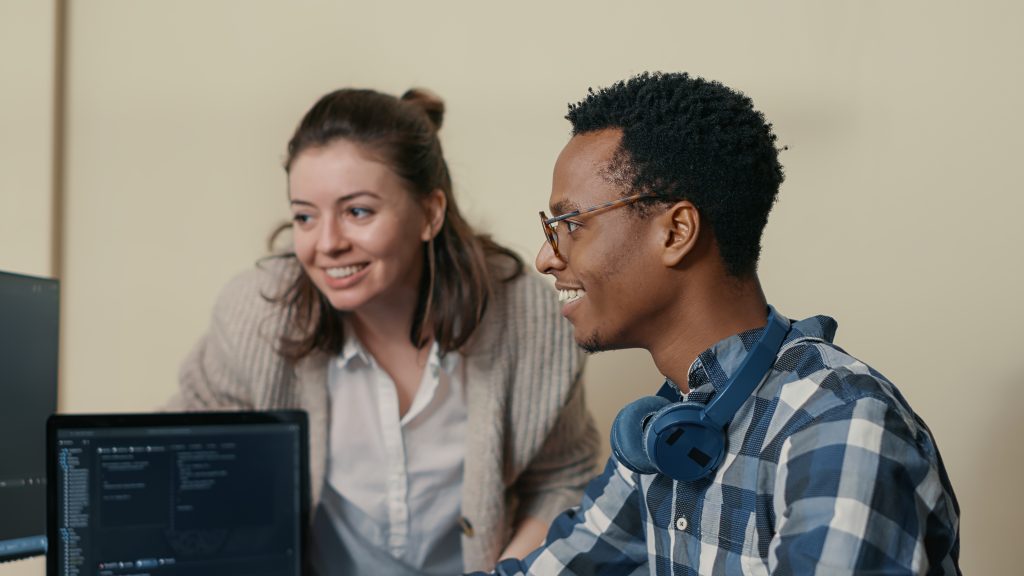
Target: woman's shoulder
column 253, row 291
column 526, row 308
column 271, row 274
column 527, row 288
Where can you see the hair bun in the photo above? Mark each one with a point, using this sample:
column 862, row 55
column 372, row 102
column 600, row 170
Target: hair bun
column 431, row 104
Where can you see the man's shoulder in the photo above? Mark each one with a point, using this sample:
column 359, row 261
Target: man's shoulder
column 832, row 369
column 815, row 380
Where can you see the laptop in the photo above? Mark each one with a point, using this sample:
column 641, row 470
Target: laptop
column 203, row 493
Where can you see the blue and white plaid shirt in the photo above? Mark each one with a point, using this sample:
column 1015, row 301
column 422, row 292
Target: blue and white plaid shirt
column 827, row 471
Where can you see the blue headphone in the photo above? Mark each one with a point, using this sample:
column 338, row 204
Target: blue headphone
column 686, row 440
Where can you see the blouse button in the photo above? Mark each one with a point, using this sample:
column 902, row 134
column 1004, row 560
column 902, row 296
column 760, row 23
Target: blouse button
column 681, row 523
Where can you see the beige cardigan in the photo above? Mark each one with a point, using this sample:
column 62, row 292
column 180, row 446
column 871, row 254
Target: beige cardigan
column 530, row 442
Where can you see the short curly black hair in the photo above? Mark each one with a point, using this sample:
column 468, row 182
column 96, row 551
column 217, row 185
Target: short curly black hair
column 687, row 138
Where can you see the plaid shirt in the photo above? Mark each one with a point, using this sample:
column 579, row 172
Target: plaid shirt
column 827, row 471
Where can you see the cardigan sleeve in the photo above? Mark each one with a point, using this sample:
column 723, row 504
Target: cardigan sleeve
column 548, row 414
column 231, row 365
column 556, row 477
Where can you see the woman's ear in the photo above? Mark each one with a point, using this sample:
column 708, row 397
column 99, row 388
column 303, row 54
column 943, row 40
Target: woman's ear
column 679, row 229
column 434, row 205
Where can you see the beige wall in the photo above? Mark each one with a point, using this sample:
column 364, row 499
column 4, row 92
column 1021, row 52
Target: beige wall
column 26, row 135
column 899, row 215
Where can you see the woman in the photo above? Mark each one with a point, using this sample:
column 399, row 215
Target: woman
column 447, row 425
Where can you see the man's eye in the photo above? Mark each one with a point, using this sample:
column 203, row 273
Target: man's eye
column 571, row 226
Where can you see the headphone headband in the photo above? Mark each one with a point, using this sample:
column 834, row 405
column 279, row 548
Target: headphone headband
column 686, row 440
column 750, row 373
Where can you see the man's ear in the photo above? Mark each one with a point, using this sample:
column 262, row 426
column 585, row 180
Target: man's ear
column 434, row 205
column 679, row 229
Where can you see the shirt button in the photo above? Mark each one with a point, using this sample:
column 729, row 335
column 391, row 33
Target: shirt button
column 467, row 528
column 681, row 523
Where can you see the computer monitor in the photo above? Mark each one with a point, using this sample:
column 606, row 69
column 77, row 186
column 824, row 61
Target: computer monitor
column 196, row 494
column 29, row 318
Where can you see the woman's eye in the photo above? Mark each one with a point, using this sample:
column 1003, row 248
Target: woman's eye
column 359, row 212
column 301, row 218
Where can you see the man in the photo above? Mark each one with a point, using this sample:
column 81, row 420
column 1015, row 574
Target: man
column 659, row 201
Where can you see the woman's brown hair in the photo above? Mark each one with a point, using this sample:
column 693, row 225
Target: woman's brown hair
column 460, row 266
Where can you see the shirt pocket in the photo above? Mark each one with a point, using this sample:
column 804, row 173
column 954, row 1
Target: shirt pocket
column 729, row 533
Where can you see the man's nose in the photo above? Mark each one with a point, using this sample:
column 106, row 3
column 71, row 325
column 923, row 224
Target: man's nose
column 547, row 261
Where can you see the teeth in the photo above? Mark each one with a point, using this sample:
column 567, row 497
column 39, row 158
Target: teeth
column 344, row 271
column 570, row 295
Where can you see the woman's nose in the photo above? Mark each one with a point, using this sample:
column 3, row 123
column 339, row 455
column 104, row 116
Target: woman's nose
column 332, row 237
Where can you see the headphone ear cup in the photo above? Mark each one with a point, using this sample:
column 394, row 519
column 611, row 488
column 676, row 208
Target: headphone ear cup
column 628, row 432
column 682, row 443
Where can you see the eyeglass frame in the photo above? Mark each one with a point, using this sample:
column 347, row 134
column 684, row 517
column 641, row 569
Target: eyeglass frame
column 550, row 225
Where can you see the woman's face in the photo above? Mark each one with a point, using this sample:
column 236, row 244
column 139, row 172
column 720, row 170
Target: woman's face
column 358, row 231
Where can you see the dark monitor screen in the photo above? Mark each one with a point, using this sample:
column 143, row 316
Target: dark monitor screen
column 198, row 494
column 29, row 319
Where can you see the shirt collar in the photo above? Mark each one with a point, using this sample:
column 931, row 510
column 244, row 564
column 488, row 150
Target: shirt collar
column 710, row 372
column 352, row 352
column 353, row 355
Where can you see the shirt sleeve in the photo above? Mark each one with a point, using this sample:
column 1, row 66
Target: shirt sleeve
column 604, row 536
column 856, row 492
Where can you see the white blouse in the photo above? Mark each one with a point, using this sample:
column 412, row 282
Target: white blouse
column 392, row 498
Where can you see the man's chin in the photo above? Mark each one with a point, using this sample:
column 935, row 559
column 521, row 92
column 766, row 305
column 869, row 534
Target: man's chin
column 592, row 344
column 598, row 341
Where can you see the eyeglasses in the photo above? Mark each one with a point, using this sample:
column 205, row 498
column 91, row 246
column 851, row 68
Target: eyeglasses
column 550, row 225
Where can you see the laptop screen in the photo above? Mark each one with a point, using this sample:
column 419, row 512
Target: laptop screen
column 167, row 494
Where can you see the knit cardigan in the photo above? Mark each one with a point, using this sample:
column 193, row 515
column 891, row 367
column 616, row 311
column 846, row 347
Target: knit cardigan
column 530, row 443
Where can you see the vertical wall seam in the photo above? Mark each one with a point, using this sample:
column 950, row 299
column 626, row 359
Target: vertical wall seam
column 59, row 134
column 57, row 189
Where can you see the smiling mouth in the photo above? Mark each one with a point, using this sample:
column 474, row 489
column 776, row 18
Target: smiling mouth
column 566, row 296
column 344, row 271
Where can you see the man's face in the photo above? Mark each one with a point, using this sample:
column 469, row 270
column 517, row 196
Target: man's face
column 603, row 273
